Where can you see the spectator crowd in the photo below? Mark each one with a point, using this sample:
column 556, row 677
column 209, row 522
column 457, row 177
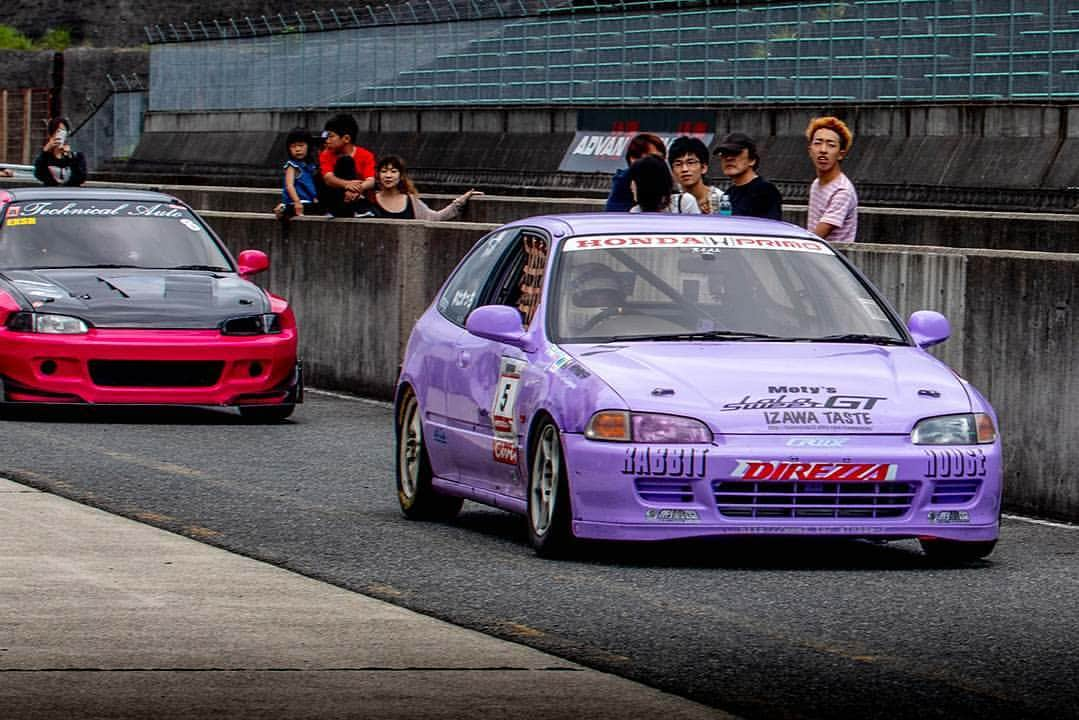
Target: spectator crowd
column 675, row 180
column 332, row 175
column 343, row 179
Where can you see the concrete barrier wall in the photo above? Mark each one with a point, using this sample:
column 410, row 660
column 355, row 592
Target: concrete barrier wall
column 1015, row 336
column 1040, row 232
column 357, row 287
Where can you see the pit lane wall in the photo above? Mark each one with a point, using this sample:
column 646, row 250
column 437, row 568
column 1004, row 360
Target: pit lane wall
column 357, row 286
column 1042, row 232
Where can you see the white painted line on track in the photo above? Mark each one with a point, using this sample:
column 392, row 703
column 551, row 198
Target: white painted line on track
column 343, row 396
column 1038, row 521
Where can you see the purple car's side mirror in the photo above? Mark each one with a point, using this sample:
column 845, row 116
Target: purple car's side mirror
column 928, row 328
column 252, row 261
column 500, row 323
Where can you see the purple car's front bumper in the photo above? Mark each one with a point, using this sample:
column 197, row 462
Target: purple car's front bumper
column 869, row 486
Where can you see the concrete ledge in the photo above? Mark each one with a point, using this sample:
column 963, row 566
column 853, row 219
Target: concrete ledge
column 1039, row 232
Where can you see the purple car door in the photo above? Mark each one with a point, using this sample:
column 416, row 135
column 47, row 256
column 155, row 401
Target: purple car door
column 442, row 393
column 483, row 399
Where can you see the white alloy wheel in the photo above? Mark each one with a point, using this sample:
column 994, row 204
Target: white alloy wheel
column 546, row 478
column 409, row 448
column 415, row 493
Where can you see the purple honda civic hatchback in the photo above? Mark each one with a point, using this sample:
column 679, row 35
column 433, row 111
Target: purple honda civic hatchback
column 651, row 377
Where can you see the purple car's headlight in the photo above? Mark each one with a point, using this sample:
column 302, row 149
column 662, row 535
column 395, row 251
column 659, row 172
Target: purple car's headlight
column 966, row 429
column 624, row 426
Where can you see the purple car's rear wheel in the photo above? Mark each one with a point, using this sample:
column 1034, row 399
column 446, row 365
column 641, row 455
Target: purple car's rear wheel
column 417, row 497
column 549, row 511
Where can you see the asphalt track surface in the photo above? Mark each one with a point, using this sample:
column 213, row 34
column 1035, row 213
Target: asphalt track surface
column 773, row 628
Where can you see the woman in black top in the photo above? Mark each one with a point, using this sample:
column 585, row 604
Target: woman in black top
column 396, row 196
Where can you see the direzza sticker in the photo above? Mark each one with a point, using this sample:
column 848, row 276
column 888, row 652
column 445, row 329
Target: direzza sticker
column 21, row 221
column 735, row 242
column 823, row 471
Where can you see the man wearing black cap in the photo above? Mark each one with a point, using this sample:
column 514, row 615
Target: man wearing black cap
column 750, row 194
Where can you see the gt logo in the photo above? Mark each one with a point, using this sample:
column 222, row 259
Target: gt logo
column 817, row 442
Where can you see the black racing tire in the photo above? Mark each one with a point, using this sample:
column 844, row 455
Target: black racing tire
column 415, row 494
column 266, row 414
column 955, row 552
column 550, row 513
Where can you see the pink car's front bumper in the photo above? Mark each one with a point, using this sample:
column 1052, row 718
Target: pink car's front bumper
column 185, row 367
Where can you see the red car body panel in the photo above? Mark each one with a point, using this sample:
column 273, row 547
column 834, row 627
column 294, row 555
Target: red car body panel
column 154, row 335
column 257, row 369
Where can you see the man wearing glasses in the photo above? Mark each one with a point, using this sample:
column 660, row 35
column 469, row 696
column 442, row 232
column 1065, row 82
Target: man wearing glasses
column 750, row 193
column 688, row 157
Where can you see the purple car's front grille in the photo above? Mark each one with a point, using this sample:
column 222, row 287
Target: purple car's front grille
column 155, row 373
column 955, row 492
column 664, row 491
column 744, row 499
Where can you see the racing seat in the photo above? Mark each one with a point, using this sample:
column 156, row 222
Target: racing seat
column 597, row 286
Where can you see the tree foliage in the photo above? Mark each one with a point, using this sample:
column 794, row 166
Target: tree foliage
column 53, row 39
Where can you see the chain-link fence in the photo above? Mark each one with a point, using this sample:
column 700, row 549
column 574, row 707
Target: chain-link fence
column 113, row 131
column 663, row 51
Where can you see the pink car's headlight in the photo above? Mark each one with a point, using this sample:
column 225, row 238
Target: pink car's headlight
column 47, row 323
column 624, row 426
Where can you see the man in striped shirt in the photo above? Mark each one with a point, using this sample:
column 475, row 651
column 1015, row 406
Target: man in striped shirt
column 833, row 203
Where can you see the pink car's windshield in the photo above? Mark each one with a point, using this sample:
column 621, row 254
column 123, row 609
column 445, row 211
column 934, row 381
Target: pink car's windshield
column 620, row 288
column 105, row 233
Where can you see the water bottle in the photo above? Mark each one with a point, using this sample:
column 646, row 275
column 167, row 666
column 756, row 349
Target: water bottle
column 725, row 204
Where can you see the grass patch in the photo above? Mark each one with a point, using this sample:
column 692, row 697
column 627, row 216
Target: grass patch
column 53, row 39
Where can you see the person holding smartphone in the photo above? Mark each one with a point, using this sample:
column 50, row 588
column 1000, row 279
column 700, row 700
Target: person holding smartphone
column 57, row 164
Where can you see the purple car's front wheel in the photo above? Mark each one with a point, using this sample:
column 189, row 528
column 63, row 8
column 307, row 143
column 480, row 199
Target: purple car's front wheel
column 417, row 497
column 548, row 495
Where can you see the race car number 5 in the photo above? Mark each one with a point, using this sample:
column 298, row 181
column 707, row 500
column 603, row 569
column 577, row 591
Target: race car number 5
column 503, row 412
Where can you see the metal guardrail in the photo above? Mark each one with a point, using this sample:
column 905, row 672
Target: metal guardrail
column 408, row 12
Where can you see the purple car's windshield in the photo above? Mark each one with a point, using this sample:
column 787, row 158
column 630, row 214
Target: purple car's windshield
column 688, row 287
column 105, row 233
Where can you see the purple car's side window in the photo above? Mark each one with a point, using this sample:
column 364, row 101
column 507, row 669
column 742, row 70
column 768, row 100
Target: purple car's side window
column 468, row 283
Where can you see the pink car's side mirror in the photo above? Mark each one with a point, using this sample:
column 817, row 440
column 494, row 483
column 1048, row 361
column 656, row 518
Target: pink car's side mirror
column 252, row 261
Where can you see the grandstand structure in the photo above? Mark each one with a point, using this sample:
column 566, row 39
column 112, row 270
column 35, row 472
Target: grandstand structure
column 652, row 51
column 943, row 95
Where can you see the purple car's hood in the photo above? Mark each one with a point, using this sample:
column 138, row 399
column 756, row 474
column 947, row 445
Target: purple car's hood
column 800, row 388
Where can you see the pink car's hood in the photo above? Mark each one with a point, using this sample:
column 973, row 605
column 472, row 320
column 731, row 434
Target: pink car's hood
column 793, row 388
